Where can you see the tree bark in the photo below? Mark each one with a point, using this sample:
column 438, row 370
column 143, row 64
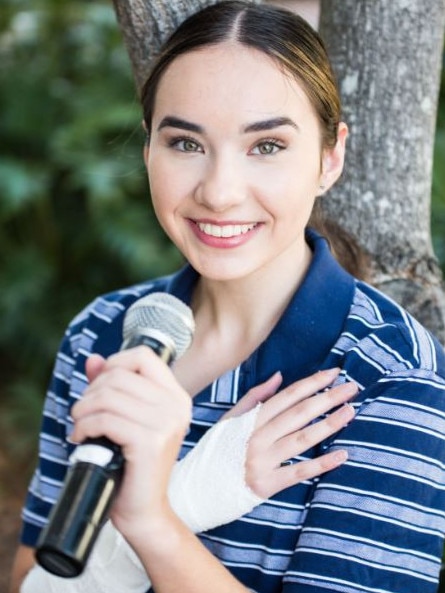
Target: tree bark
column 146, row 24
column 387, row 57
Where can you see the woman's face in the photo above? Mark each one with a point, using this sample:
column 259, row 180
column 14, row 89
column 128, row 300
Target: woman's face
column 235, row 162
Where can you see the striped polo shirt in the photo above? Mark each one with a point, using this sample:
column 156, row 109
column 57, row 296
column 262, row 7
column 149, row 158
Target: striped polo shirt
column 376, row 523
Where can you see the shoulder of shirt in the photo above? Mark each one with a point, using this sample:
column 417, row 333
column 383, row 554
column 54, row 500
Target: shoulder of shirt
column 106, row 308
column 381, row 334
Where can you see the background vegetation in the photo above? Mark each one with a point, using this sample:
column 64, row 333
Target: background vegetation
column 74, row 210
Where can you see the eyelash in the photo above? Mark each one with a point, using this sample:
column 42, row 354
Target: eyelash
column 276, row 145
column 176, row 141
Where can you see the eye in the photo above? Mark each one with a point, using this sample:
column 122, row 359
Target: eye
column 268, row 147
column 185, row 145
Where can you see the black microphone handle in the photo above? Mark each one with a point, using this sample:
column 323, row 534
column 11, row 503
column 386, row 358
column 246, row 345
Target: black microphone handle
column 66, row 542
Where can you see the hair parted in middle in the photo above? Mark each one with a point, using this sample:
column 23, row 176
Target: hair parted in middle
column 280, row 34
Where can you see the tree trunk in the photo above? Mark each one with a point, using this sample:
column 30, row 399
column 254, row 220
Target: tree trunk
column 387, row 56
column 146, row 24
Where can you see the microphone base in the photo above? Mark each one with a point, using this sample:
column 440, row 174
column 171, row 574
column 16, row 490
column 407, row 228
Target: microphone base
column 65, row 544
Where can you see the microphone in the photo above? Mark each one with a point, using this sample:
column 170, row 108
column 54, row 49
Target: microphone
column 166, row 325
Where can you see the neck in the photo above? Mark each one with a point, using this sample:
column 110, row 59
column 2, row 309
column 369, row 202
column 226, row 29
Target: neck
column 234, row 317
column 248, row 307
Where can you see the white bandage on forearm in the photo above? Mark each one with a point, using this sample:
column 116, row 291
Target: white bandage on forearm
column 207, row 488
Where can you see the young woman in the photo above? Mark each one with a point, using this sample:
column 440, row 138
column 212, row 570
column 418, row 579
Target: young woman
column 243, row 134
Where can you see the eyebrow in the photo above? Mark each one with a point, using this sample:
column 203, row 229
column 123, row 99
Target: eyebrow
column 259, row 126
column 170, row 121
column 270, row 124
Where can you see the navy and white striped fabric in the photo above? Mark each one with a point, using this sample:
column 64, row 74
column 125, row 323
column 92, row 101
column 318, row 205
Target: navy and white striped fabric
column 374, row 525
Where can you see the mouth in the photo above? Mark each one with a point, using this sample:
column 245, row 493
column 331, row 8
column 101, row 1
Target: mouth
column 225, row 231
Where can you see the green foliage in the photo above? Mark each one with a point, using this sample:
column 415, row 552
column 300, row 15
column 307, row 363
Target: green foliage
column 75, row 212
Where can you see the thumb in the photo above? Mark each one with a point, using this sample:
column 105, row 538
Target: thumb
column 259, row 393
column 94, row 366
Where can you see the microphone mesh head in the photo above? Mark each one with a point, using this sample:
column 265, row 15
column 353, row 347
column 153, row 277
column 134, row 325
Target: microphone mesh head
column 164, row 313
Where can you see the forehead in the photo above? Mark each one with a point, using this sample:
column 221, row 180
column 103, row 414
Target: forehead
column 229, row 78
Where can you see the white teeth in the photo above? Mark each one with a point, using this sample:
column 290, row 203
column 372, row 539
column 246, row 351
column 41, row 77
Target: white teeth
column 228, row 230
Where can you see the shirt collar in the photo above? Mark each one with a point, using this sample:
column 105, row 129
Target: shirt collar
column 311, row 324
column 313, row 321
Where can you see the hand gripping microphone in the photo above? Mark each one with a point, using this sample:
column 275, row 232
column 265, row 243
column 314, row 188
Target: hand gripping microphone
column 165, row 324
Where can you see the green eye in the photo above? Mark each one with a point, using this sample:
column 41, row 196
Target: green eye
column 268, row 147
column 189, row 145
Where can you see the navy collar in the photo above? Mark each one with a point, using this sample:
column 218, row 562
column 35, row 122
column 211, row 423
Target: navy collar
column 304, row 336
column 301, row 342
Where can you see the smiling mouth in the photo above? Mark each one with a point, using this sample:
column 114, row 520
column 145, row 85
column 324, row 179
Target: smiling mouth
column 226, row 231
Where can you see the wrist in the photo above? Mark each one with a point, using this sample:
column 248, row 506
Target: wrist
column 208, row 486
column 152, row 533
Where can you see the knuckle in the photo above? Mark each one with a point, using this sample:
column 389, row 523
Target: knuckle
column 304, row 439
column 101, row 422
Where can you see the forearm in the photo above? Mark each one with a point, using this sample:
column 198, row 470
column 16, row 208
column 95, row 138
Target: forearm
column 209, row 472
column 176, row 560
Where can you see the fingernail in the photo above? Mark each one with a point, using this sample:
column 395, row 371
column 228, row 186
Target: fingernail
column 349, row 388
column 340, row 456
column 347, row 410
column 71, row 440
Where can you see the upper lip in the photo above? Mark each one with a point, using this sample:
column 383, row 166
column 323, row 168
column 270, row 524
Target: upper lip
column 222, row 222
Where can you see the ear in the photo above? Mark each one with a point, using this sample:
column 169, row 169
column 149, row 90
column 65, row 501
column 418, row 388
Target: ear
column 333, row 159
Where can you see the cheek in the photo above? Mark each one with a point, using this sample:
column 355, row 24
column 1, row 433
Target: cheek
column 294, row 185
column 162, row 198
column 163, row 184
column 171, row 181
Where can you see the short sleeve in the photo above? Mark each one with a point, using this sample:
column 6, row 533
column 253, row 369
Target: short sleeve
column 54, row 450
column 377, row 522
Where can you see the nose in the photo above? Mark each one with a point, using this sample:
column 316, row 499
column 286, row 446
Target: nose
column 222, row 185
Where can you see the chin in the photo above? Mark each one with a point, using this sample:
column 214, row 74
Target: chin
column 220, row 270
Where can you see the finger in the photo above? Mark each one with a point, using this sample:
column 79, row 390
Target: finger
column 106, row 423
column 94, row 366
column 295, row 393
column 121, row 371
column 142, row 360
column 127, row 394
column 254, row 396
column 287, row 476
column 111, row 385
column 306, row 470
column 304, row 412
column 110, row 419
column 303, row 440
